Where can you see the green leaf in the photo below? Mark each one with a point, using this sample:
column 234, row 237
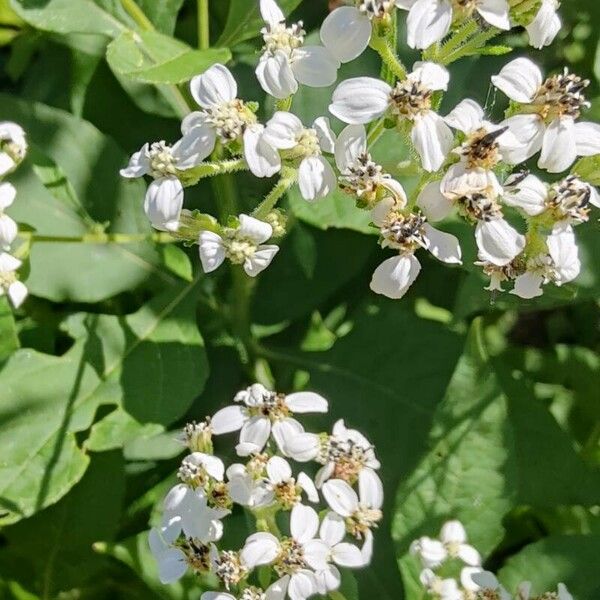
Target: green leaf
column 151, row 57
column 74, row 191
column 52, row 551
column 128, row 361
column 572, row 560
column 244, row 21
column 9, row 339
column 163, row 14
column 588, row 168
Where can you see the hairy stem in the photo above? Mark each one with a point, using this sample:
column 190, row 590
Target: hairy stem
column 211, row 169
column 203, row 25
column 388, row 55
column 102, row 238
column 288, row 178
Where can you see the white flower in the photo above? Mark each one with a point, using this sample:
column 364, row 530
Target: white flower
column 9, row 284
column 452, row 544
column 264, row 413
column 407, row 233
column 429, row 21
column 286, row 61
column 286, row 132
column 13, row 146
column 545, row 26
column 442, row 589
column 243, row 245
column 171, row 561
column 295, row 559
column 200, row 470
column 488, row 581
column 346, row 32
column 361, row 511
column 363, row 99
column 359, row 174
column 8, row 228
column 546, row 120
column 559, row 266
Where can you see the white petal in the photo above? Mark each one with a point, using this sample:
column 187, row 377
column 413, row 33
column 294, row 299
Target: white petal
column 486, row 580
column 341, row 497
column 213, row 465
column 308, row 486
column 277, row 590
column 328, row 579
column 316, row 554
column 432, row 552
column 562, row 246
column 466, row 117
column 8, row 194
column 275, row 75
column 17, row 293
column 398, row 193
column 432, row 139
column 256, row 431
column 194, row 119
column 260, row 260
column 370, row 489
column 546, row 25
column 520, row 79
column 587, row 139
column 351, row 144
column 212, row 251
column 563, row 592
column 460, row 181
column 8, row 231
column 260, row 549
column 367, row 549
column 528, row 285
column 529, row 195
column 139, row 164
column 469, row 555
column 177, row 499
column 284, row 432
column 428, row 22
column 529, row 131
column 431, row 75
column 163, row 203
column 278, row 470
column 346, row 33
column 316, row 178
column 498, row 242
column 324, row 473
column 258, row 231
column 434, row 205
column 379, row 214
column 196, row 145
column 302, row 585
column 304, row 523
column 7, row 165
column 306, row 402
column 360, row 100
column 8, row 263
column 171, row 566
column 228, row 419
column 394, row 276
column 216, row 596
column 270, row 12
column 348, row 555
column 453, row 532
column 333, row 529
column 559, row 149
column 262, row 158
column 314, row 66
column 283, row 130
column 444, row 246
column 466, row 578
column 215, row 86
column 495, row 12
column 303, row 447
column 325, row 134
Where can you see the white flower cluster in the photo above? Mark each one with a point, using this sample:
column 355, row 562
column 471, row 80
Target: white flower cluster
column 452, row 570
column 306, row 558
column 13, row 147
column 467, row 163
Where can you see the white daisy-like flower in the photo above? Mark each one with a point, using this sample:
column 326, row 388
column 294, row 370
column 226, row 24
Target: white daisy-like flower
column 559, row 266
column 8, row 228
column 294, row 559
column 362, row 511
column 13, row 146
column 359, row 174
column 486, row 581
column 243, row 245
column 286, row 132
column 286, row 61
column 429, row 21
column 346, row 32
column 225, row 118
column 9, row 284
column 545, row 25
column 364, row 99
column 451, row 544
column 261, row 412
column 407, row 233
column 547, row 117
column 441, row 589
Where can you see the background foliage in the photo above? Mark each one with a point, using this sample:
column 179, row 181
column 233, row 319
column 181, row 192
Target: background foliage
column 482, row 409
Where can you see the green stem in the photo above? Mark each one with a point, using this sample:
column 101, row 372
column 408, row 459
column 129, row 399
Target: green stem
column 270, row 202
column 375, row 132
column 471, row 46
column 137, row 14
column 211, row 169
column 464, row 32
column 389, row 57
column 285, row 104
column 102, row 238
column 203, row 25
column 336, row 595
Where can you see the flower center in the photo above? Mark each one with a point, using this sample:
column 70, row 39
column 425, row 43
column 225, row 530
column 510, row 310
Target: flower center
column 287, row 494
column 237, row 247
column 362, row 521
column 487, row 594
column 562, row 95
column 197, row 436
column 363, row 178
column 191, row 474
column 273, row 406
column 253, row 593
column 308, row 144
column 376, row 9
column 281, row 37
column 544, row 266
column 229, row 568
column 162, row 161
column 7, row 278
column 348, row 457
column 197, row 555
column 290, row 559
column 479, row 206
column 570, row 198
column 410, row 99
column 13, row 149
column 404, row 232
column 482, row 149
column 219, row 497
column 230, row 119
column 256, row 465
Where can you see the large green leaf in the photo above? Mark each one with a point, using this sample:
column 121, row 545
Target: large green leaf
column 52, row 551
column 151, row 57
column 73, row 192
column 9, row 340
column 151, row 364
column 163, row 14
